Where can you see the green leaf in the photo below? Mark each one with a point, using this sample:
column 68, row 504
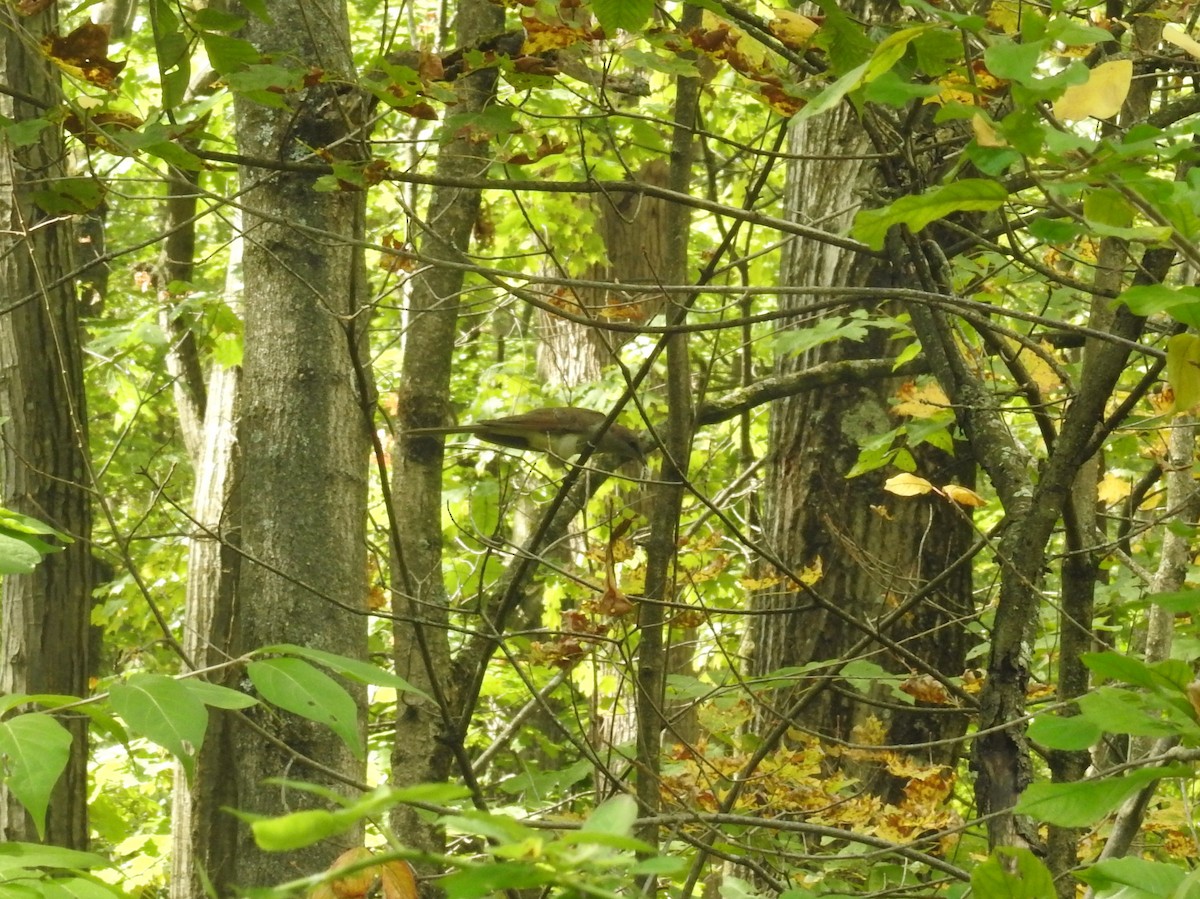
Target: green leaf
column 1012, row 873
column 165, row 712
column 1073, row 733
column 1181, row 303
column 486, row 880
column 37, row 855
column 298, row 687
column 1178, row 601
column 229, row 54
column 303, row 828
column 1141, row 877
column 298, row 829
column 23, row 133
column 967, row 195
column 355, row 669
column 622, row 15
column 1085, row 802
column 1012, row 61
column 1126, row 712
column 615, row 816
column 34, row 750
column 217, row 696
column 70, row 196
column 1171, row 674
column 17, row 556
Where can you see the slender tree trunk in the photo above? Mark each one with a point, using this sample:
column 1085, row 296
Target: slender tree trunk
column 303, row 433
column 424, row 751
column 204, row 841
column 45, row 473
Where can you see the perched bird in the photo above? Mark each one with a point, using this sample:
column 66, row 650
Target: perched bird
column 560, row 431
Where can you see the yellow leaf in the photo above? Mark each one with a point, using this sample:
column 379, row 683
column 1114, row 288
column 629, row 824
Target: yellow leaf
column 1112, row 489
column 792, row 28
column 813, row 573
column 906, row 484
column 1183, row 370
column 1174, row 34
column 1100, row 96
column 963, row 496
column 925, row 401
column 985, row 134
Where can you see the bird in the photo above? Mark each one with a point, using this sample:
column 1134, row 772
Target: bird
column 560, row 431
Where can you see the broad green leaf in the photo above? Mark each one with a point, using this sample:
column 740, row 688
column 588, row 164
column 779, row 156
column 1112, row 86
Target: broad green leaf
column 1179, row 601
column 165, row 712
column 1073, row 733
column 355, row 669
column 487, row 880
column 296, row 686
column 1126, row 712
column 967, row 195
column 1119, row 666
column 1085, row 802
column 298, row 829
column 622, row 15
column 1012, row 873
column 218, row 696
column 1145, row 878
column 1011, row 61
column 229, row 54
column 1181, row 303
column 615, row 816
column 17, row 556
column 1183, row 370
column 34, row 750
column 303, row 828
column 37, row 855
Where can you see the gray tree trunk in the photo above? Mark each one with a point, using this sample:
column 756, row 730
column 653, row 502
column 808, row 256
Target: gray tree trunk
column 815, row 514
column 45, row 615
column 202, row 835
column 303, row 434
column 423, row 752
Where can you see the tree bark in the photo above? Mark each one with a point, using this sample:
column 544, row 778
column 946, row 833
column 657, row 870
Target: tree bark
column 203, row 839
column 303, row 433
column 873, row 550
column 425, row 752
column 45, row 465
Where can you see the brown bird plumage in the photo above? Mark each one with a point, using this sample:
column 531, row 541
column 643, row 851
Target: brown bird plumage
column 561, row 431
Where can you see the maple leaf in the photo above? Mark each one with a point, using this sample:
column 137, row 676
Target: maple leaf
column 921, row 402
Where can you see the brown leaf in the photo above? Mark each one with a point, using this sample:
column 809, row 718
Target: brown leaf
column 91, row 131
column 84, row 54
column 32, row 7
column 399, row 880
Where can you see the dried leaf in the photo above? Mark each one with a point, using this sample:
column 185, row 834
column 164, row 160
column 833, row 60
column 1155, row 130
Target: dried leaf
column 399, row 881
column 811, row 573
column 963, row 496
column 793, row 29
column 84, row 54
column 906, row 484
column 1174, row 34
column 1100, row 96
column 1193, row 695
column 985, row 133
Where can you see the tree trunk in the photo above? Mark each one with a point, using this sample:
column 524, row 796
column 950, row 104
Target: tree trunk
column 45, row 472
column 303, row 433
column 203, row 839
column 873, row 550
column 424, row 752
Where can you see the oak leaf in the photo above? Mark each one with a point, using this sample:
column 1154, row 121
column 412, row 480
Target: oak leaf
column 84, row 54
